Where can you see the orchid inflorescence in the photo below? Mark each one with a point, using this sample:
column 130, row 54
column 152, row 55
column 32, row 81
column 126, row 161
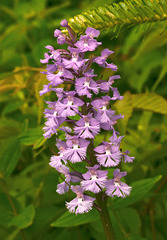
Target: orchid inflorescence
column 85, row 116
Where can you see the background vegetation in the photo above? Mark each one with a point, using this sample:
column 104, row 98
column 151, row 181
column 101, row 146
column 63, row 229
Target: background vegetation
column 30, row 208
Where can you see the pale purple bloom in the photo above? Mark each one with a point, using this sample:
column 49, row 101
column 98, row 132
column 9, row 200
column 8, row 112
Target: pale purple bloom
column 82, row 203
column 76, row 149
column 45, row 89
column 87, row 127
column 116, row 94
column 59, row 77
column 54, row 54
column 46, row 58
column 108, row 155
column 56, row 161
column 104, row 55
column 113, row 120
column 85, row 84
column 76, row 61
column 115, row 187
column 105, row 86
column 103, row 114
column 91, row 32
column 61, row 38
column 127, row 158
column 69, row 105
column 114, row 139
column 53, row 120
column 62, row 188
column 87, row 43
column 94, row 180
column 111, row 66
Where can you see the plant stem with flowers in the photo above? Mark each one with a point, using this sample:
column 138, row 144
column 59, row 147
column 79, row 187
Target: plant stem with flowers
column 81, row 115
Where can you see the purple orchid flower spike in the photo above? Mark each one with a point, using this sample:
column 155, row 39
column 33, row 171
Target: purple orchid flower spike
column 115, row 187
column 82, row 203
column 94, row 180
column 80, row 115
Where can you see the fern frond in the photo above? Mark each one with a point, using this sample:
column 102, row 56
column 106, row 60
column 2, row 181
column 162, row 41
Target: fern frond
column 121, row 15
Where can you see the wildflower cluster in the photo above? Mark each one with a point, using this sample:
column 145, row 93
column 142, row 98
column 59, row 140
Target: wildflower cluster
column 85, row 116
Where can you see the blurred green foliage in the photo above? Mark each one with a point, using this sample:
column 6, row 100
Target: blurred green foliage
column 30, row 208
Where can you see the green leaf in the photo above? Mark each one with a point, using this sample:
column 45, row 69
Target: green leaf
column 9, row 157
column 139, row 190
column 25, row 218
column 130, row 219
column 70, row 219
column 150, row 101
column 31, row 136
column 6, row 209
column 121, row 15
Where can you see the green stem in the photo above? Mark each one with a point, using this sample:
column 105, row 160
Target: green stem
column 105, row 217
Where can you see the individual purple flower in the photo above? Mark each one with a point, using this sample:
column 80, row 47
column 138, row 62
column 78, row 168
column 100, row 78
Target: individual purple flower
column 87, row 127
column 53, row 120
column 91, row 32
column 113, row 120
column 108, row 155
column 111, row 66
column 86, row 84
column 115, row 187
column 104, row 55
column 103, row 114
column 86, row 42
column 57, row 161
column 60, row 76
column 61, row 38
column 127, row 158
column 114, row 139
column 46, row 89
column 62, row 188
column 105, row 86
column 82, row 203
column 116, row 94
column 94, row 180
column 76, row 149
column 76, row 61
column 54, row 54
column 69, row 105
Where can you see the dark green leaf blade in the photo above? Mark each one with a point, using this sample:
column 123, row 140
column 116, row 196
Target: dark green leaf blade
column 70, row 219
